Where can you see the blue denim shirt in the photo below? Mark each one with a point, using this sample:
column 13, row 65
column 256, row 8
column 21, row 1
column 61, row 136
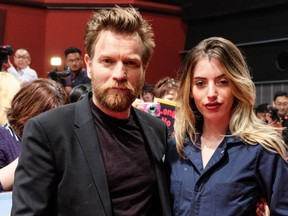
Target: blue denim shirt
column 235, row 178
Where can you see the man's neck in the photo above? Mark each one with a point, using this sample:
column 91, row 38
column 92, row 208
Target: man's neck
column 21, row 69
column 119, row 115
column 75, row 74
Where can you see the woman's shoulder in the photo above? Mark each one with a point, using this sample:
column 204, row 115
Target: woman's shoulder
column 7, row 133
column 172, row 142
column 171, row 150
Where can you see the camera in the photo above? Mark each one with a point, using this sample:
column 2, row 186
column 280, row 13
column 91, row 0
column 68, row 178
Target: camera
column 59, row 76
column 152, row 108
column 5, row 51
column 273, row 113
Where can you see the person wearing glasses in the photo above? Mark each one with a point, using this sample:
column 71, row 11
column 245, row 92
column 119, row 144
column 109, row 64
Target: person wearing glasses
column 22, row 71
column 280, row 101
column 78, row 74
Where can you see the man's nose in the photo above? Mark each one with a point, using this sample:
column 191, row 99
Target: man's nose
column 120, row 71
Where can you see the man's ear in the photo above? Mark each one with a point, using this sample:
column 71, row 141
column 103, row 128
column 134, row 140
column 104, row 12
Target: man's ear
column 88, row 65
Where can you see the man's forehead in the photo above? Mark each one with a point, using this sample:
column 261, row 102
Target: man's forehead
column 282, row 98
column 22, row 52
column 75, row 54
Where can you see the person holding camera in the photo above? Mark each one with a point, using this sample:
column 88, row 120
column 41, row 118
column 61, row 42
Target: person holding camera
column 36, row 97
column 22, row 71
column 74, row 63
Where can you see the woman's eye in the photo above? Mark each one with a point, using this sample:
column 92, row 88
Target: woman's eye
column 199, row 83
column 223, row 82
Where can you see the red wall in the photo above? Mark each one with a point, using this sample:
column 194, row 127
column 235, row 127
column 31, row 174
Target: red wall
column 48, row 32
column 25, row 27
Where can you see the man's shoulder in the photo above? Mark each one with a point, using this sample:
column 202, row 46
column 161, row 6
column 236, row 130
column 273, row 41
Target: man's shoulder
column 29, row 69
column 285, row 121
column 84, row 73
column 58, row 113
column 66, row 112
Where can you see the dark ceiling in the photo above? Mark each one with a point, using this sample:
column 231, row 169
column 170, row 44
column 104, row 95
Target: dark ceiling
column 171, row 2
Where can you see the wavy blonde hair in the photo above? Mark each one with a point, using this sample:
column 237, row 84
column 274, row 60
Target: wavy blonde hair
column 243, row 123
column 9, row 86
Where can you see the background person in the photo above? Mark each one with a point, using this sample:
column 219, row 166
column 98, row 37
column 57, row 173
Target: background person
column 79, row 92
column 166, row 89
column 261, row 111
column 9, row 86
column 280, row 101
column 22, row 71
column 99, row 156
column 78, row 74
column 7, row 176
column 147, row 94
column 221, row 152
column 36, row 97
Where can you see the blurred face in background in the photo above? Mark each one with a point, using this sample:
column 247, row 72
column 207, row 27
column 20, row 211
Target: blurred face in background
column 281, row 103
column 74, row 61
column 170, row 95
column 147, row 96
column 262, row 116
column 22, row 59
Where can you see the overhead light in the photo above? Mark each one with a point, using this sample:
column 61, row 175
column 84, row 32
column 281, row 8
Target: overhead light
column 55, row 61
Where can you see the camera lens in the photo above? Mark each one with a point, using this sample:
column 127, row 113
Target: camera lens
column 152, row 109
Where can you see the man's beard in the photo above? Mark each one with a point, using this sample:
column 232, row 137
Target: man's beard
column 116, row 102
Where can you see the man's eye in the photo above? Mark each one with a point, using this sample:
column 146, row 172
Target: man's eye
column 107, row 61
column 131, row 63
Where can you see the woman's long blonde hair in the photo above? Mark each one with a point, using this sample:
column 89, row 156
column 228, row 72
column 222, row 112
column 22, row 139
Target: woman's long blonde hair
column 243, row 123
column 9, row 86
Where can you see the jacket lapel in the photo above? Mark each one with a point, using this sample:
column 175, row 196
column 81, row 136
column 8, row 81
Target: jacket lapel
column 157, row 147
column 152, row 139
column 88, row 139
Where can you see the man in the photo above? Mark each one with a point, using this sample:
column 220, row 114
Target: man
column 280, row 101
column 78, row 75
column 22, row 72
column 99, row 156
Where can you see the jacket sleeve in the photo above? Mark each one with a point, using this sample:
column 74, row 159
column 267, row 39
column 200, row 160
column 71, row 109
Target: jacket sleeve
column 35, row 175
column 273, row 173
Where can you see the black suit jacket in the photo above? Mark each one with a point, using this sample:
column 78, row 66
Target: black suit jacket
column 60, row 170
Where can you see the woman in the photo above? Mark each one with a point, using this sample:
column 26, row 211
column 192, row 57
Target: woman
column 36, row 97
column 223, row 159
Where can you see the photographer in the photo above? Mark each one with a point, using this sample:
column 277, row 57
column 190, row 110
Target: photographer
column 78, row 74
column 22, row 71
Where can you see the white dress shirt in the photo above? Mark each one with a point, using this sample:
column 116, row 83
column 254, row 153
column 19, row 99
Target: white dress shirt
column 24, row 75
